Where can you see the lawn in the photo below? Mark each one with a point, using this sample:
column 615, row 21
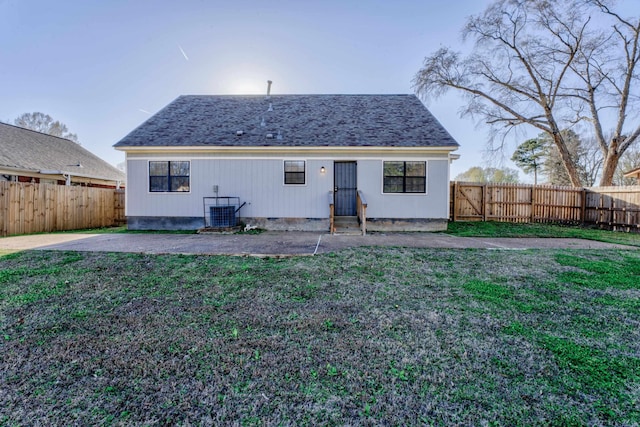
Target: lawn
column 510, row 229
column 373, row 336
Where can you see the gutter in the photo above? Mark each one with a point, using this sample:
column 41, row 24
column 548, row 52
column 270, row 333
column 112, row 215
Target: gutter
column 55, row 174
column 288, row 149
column 80, row 175
column 65, row 175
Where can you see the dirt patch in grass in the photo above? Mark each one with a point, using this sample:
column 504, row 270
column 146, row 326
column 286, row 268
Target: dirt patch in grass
column 361, row 337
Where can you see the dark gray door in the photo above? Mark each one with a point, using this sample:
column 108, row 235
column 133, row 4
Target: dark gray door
column 345, row 187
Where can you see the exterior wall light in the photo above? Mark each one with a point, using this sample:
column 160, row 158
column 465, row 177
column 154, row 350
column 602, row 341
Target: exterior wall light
column 322, row 169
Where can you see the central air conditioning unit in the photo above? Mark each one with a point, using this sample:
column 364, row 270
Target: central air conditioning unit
column 222, row 216
column 221, row 212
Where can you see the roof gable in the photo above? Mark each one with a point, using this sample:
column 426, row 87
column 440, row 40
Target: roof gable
column 291, row 121
column 634, row 173
column 34, row 151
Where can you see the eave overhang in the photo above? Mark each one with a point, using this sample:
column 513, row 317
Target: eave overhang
column 57, row 175
column 635, row 173
column 289, row 150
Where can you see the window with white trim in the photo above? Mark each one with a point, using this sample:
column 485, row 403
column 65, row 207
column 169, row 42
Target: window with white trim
column 294, row 172
column 404, row 177
column 169, row 176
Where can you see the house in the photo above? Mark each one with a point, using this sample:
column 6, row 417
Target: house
column 635, row 173
column 294, row 162
column 29, row 156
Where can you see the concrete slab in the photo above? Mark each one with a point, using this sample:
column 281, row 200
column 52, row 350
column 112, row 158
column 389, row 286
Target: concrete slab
column 266, row 244
column 34, row 241
column 439, row 240
column 278, row 244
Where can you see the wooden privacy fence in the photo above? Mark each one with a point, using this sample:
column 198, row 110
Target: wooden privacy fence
column 616, row 208
column 34, row 208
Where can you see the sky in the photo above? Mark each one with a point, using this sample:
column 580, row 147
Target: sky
column 104, row 67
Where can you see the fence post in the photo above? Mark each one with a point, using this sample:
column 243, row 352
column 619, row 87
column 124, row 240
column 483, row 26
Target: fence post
column 533, row 204
column 583, row 206
column 484, row 202
column 453, row 201
column 4, row 208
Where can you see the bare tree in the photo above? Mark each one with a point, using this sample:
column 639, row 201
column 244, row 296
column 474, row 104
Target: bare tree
column 589, row 161
column 553, row 166
column 44, row 123
column 542, row 153
column 479, row 174
column 549, row 65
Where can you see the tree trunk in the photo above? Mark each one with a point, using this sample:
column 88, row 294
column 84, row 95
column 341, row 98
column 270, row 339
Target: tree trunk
column 567, row 161
column 609, row 169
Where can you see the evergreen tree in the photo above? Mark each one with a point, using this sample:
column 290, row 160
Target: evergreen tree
column 529, row 156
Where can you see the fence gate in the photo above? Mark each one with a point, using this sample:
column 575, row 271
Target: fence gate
column 469, row 202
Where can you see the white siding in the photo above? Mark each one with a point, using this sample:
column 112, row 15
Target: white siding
column 259, row 181
column 432, row 204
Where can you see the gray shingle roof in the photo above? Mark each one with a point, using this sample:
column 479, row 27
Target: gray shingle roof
column 300, row 120
column 34, row 151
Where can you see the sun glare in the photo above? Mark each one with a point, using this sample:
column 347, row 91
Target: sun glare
column 241, row 80
column 247, row 87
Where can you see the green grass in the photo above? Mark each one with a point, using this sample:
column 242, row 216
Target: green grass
column 373, row 336
column 507, row 229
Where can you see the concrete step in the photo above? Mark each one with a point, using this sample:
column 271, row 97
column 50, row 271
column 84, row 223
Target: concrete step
column 347, row 225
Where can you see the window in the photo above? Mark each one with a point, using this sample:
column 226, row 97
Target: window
column 404, row 177
column 294, row 171
column 169, row 176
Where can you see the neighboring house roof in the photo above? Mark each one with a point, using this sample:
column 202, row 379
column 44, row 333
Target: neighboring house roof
column 635, row 173
column 292, row 121
column 26, row 150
